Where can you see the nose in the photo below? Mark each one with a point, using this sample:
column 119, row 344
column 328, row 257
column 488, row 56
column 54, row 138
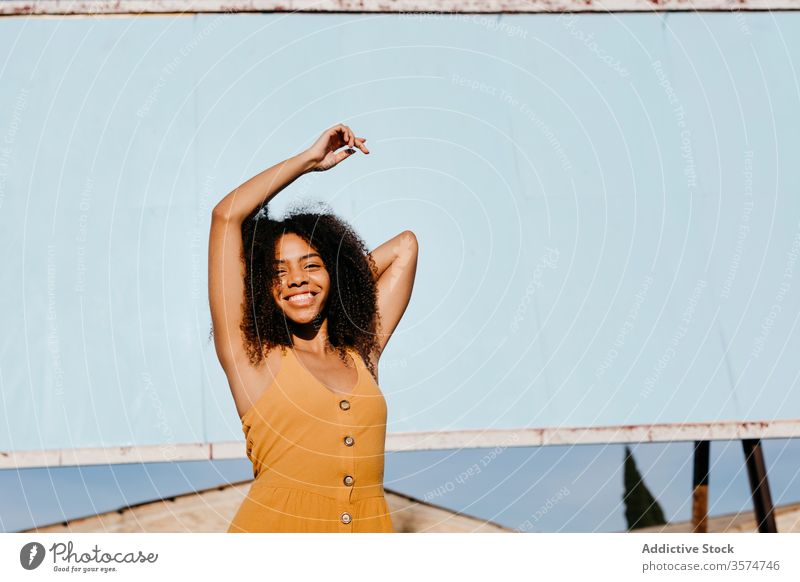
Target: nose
column 295, row 277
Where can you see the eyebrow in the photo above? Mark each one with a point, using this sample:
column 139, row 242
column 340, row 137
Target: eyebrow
column 308, row 256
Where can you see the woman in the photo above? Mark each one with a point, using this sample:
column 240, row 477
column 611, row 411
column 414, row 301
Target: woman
column 301, row 314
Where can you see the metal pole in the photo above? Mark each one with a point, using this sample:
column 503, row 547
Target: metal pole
column 757, row 473
column 700, row 487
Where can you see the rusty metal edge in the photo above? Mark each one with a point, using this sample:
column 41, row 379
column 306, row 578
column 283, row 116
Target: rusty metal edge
column 646, row 433
column 420, row 441
column 140, row 7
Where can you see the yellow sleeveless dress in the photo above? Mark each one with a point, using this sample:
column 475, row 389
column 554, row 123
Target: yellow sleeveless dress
column 317, row 455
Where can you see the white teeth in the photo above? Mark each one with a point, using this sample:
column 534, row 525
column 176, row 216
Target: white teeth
column 301, row 297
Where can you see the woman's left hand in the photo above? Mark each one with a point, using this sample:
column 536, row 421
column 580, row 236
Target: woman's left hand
column 323, row 154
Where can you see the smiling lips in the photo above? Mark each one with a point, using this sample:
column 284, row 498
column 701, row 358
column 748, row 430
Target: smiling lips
column 301, row 299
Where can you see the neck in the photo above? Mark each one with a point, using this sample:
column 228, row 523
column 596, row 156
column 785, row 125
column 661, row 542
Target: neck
column 311, row 336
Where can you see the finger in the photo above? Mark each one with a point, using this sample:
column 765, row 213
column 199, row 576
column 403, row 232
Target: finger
column 343, row 155
column 360, row 142
column 351, row 137
column 341, row 136
column 334, row 135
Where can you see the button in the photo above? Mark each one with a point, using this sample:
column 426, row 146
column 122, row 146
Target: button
column 348, row 441
column 348, row 480
column 346, row 517
column 344, row 405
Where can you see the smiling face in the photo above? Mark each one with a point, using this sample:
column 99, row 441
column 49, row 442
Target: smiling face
column 302, row 282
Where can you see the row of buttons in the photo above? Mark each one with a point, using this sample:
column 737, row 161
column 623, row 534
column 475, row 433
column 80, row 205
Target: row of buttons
column 348, row 479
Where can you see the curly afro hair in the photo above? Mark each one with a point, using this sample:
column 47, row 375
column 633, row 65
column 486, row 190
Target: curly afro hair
column 351, row 306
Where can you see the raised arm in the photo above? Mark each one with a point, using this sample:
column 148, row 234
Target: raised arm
column 396, row 262
column 226, row 268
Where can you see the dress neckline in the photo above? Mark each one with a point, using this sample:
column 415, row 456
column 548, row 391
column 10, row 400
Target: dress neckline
column 319, row 382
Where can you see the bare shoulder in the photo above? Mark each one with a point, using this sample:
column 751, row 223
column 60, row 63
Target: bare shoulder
column 248, row 381
column 272, row 361
column 268, row 367
column 373, row 358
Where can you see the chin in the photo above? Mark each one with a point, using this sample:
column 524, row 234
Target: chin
column 301, row 317
column 301, row 320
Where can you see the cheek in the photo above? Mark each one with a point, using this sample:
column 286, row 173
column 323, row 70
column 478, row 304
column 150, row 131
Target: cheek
column 276, row 292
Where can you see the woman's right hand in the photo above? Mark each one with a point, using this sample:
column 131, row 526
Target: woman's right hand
column 323, row 155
